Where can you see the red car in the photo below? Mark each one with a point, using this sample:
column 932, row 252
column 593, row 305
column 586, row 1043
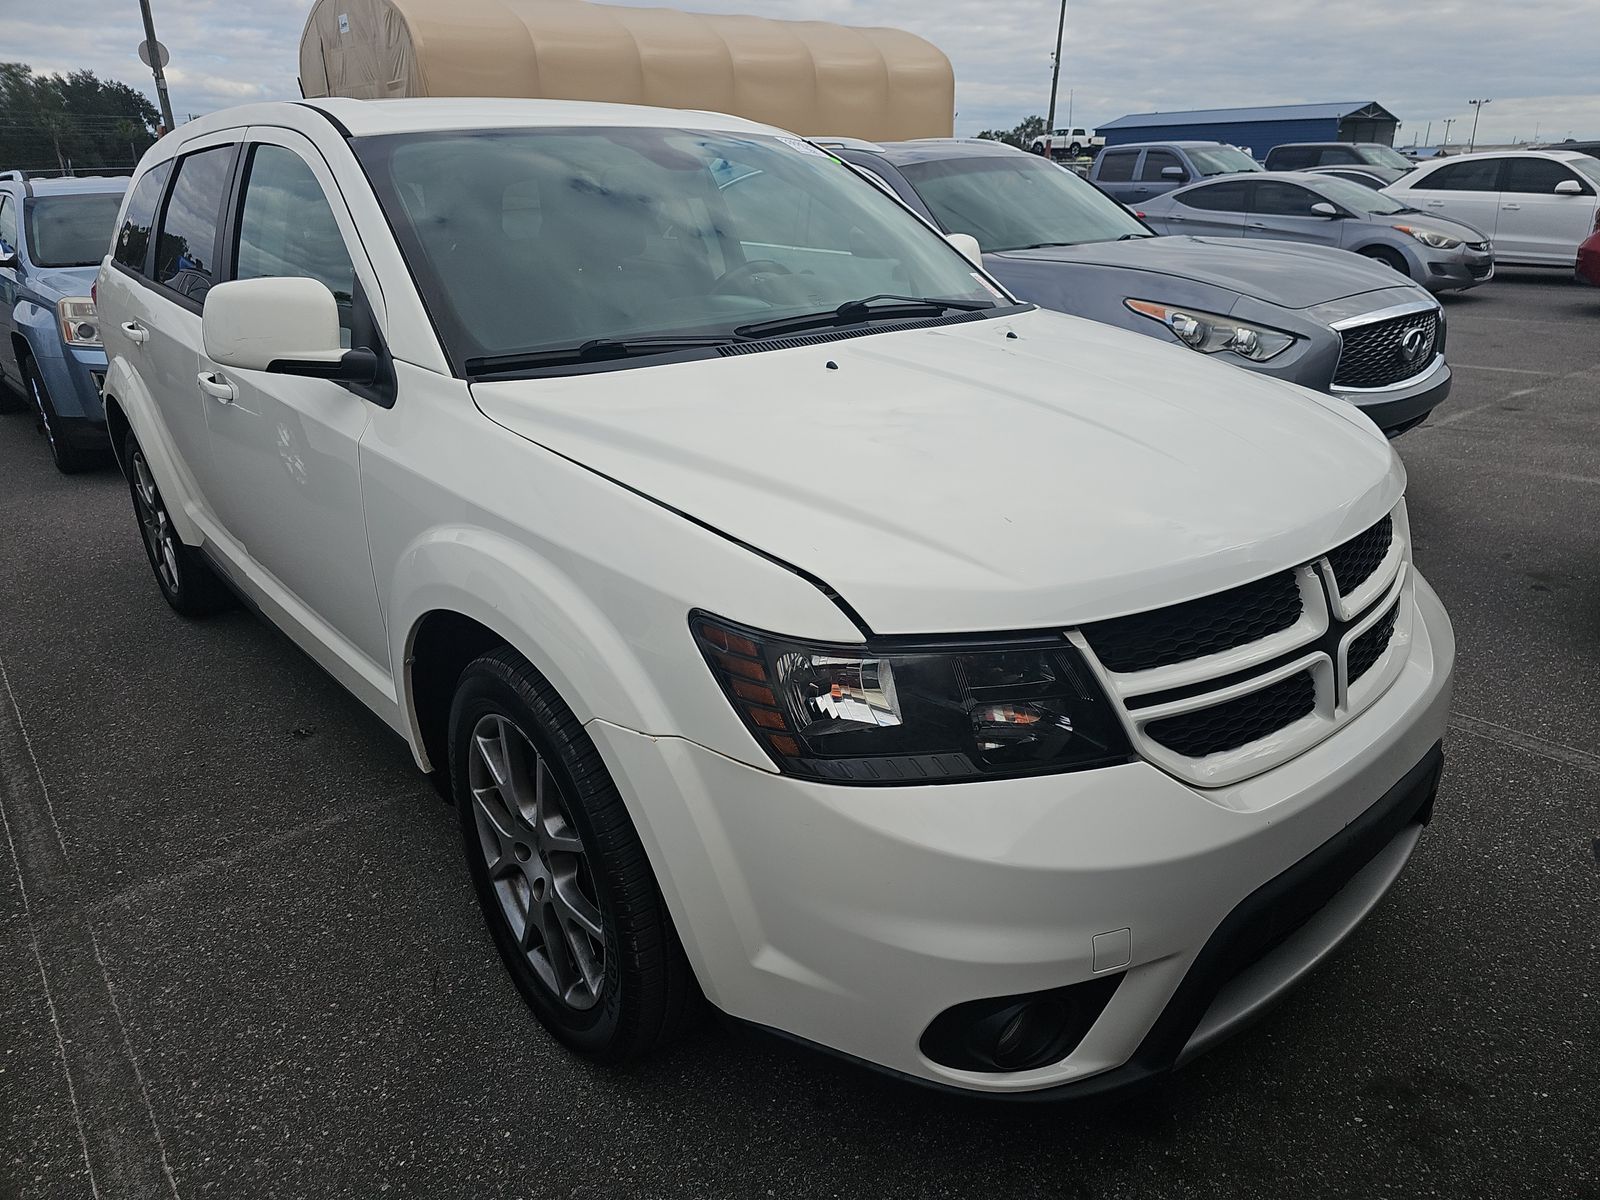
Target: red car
column 1589, row 258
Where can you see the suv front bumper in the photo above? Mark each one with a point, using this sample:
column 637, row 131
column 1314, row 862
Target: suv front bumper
column 852, row 917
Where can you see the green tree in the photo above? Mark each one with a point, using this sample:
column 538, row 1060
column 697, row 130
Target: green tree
column 75, row 122
column 1030, row 128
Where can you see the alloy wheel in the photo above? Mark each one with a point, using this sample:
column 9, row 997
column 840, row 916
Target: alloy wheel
column 537, row 863
column 159, row 536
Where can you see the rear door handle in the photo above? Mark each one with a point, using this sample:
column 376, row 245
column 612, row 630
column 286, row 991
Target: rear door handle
column 216, row 387
column 1509, row 207
column 137, row 333
column 1254, row 225
column 1435, row 203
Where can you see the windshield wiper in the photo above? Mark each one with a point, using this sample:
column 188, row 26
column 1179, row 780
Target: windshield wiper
column 594, row 350
column 854, row 311
column 1039, row 246
column 1128, row 237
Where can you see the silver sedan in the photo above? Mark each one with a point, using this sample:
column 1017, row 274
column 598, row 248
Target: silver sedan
column 1298, row 206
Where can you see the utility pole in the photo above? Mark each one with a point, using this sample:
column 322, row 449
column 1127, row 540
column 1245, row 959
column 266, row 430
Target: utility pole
column 1055, row 82
column 155, row 66
column 1477, row 111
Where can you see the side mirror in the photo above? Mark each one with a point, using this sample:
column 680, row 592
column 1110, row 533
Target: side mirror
column 1177, row 173
column 8, row 256
column 285, row 326
column 968, row 245
column 1569, row 187
column 1323, row 209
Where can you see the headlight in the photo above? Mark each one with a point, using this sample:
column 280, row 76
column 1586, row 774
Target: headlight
column 896, row 713
column 1210, row 333
column 80, row 324
column 1429, row 237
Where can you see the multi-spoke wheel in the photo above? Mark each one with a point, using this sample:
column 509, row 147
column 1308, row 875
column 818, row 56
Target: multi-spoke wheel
column 186, row 580
column 536, row 862
column 561, row 876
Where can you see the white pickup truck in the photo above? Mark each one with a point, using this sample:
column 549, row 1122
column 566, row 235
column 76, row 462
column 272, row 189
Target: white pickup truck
column 1068, row 143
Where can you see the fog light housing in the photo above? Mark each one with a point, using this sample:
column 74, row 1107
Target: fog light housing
column 1017, row 1033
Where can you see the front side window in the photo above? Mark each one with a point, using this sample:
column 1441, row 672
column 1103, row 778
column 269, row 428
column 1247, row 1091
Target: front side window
column 1536, row 176
column 1338, row 156
column 1217, row 197
column 1275, row 199
column 8, row 222
column 186, row 247
column 1156, row 161
column 132, row 246
column 1479, row 175
column 1222, row 160
column 1117, row 166
column 1291, row 158
column 286, row 228
column 1014, row 202
column 529, row 242
column 71, row 231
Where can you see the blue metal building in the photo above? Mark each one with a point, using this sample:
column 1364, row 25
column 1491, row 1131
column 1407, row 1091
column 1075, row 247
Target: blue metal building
column 1259, row 129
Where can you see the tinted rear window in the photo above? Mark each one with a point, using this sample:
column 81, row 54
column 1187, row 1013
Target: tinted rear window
column 1216, row 197
column 1480, row 175
column 1116, row 166
column 186, row 250
column 133, row 239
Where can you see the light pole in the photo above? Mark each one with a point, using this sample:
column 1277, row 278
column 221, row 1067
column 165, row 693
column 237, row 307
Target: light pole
column 155, row 65
column 1055, row 82
column 1477, row 111
column 1449, row 121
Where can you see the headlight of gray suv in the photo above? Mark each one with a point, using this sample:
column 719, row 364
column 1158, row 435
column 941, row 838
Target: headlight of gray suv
column 1428, row 237
column 80, row 324
column 1212, row 333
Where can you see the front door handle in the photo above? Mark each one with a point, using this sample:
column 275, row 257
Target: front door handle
column 216, row 387
column 1435, row 203
column 1510, row 207
column 1254, row 225
column 137, row 333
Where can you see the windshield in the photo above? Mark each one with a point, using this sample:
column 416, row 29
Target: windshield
column 1355, row 197
column 1589, row 168
column 1383, row 156
column 527, row 241
column 71, row 231
column 1013, row 201
column 1221, row 160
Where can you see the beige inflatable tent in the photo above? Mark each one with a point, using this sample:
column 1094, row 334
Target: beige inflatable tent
column 809, row 76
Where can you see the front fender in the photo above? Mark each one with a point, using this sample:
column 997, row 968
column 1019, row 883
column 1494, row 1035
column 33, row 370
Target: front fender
column 127, row 391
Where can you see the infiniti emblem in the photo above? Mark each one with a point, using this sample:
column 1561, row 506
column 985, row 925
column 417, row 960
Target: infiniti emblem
column 1412, row 343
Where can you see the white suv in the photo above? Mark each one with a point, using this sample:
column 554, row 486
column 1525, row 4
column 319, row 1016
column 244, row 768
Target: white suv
column 998, row 698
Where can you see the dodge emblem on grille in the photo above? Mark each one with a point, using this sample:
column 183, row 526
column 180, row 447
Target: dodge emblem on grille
column 1412, row 343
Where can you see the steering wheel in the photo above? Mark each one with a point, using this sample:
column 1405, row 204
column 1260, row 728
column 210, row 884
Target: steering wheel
column 756, row 266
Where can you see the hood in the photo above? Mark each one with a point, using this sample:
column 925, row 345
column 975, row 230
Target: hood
column 64, row 281
column 958, row 479
column 1288, row 274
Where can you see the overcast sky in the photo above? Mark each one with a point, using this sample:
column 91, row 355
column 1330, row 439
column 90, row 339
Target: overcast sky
column 1420, row 59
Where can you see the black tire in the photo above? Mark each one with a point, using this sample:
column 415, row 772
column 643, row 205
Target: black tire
column 69, row 459
column 187, row 581
column 1390, row 258
column 646, row 991
column 1074, row 150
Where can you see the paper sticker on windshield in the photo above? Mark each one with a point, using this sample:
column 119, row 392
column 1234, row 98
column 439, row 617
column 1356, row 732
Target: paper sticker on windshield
column 988, row 287
column 801, row 145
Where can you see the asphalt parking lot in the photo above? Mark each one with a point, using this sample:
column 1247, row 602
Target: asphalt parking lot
column 239, row 955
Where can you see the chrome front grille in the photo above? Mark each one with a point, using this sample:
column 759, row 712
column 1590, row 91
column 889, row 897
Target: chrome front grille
column 1217, row 689
column 1384, row 353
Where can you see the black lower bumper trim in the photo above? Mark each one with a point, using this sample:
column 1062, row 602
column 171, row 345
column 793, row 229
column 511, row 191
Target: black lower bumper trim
column 1260, row 921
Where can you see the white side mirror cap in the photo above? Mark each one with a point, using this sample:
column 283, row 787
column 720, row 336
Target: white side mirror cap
column 968, row 245
column 1569, row 187
column 250, row 324
column 1323, row 209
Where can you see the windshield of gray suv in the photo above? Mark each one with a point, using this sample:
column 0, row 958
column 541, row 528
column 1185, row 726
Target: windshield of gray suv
column 1220, row 160
column 1383, row 156
column 538, row 247
column 1356, row 197
column 73, row 230
column 1018, row 202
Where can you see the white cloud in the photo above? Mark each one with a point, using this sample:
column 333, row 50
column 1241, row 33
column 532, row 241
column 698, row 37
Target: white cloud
column 1421, row 60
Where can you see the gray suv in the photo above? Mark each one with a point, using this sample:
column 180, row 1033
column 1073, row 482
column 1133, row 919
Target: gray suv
column 1133, row 173
column 1373, row 157
column 1326, row 319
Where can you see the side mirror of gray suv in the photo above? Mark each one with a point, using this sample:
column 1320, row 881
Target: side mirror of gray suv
column 8, row 256
column 1177, row 173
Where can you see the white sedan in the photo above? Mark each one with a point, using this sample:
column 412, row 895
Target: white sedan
column 1536, row 205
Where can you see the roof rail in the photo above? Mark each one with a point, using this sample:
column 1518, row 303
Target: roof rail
column 846, row 143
